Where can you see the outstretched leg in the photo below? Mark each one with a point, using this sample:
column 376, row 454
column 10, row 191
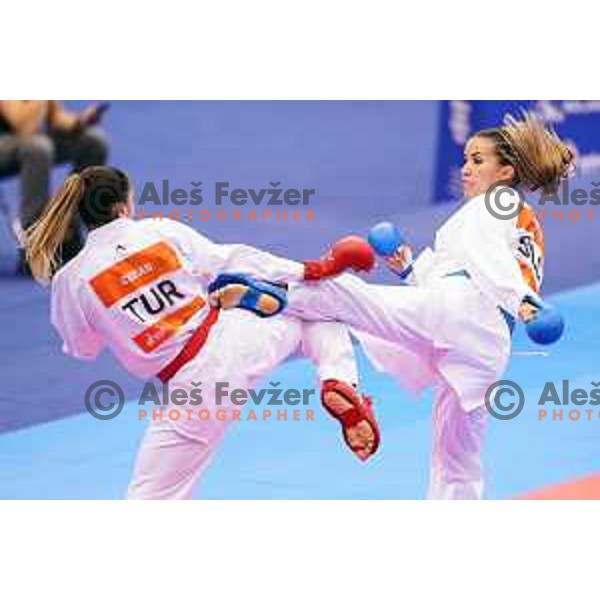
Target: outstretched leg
column 393, row 313
column 329, row 346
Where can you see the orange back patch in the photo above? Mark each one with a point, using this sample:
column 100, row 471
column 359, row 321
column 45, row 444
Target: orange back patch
column 134, row 272
column 153, row 336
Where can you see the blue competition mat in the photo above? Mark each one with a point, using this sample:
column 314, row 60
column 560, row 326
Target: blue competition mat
column 80, row 457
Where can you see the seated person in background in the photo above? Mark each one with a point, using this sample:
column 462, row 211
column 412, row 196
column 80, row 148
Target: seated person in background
column 36, row 134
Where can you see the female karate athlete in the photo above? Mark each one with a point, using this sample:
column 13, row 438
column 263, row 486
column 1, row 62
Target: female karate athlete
column 452, row 327
column 139, row 288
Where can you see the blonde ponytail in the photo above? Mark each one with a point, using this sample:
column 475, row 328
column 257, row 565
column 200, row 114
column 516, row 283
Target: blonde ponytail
column 43, row 239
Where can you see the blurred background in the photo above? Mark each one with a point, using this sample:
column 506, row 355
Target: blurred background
column 366, row 161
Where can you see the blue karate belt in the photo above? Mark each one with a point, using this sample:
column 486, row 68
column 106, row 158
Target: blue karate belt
column 508, row 318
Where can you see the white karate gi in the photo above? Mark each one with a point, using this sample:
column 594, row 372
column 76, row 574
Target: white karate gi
column 139, row 288
column 446, row 330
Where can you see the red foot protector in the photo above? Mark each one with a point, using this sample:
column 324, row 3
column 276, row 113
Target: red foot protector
column 350, row 417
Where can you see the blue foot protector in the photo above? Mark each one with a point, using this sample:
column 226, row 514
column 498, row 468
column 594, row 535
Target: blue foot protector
column 256, row 288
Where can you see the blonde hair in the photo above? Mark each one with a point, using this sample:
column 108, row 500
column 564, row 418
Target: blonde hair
column 43, row 239
column 539, row 157
column 97, row 195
